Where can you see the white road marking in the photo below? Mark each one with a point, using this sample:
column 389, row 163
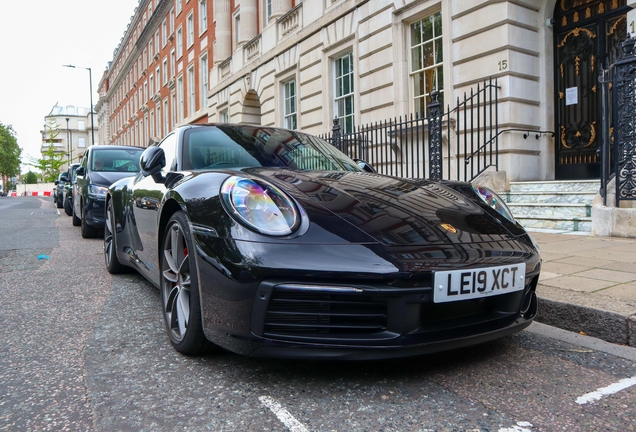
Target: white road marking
column 520, row 427
column 606, row 391
column 283, row 415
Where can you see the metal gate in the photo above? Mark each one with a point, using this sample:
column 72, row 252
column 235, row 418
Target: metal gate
column 587, row 35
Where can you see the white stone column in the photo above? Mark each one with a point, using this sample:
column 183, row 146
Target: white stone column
column 223, row 16
column 281, row 7
column 249, row 21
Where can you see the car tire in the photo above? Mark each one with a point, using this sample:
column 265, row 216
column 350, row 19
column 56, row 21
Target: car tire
column 87, row 231
column 110, row 243
column 58, row 202
column 68, row 207
column 179, row 287
column 76, row 221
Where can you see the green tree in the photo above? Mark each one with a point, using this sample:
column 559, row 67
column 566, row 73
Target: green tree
column 31, row 178
column 9, row 154
column 51, row 162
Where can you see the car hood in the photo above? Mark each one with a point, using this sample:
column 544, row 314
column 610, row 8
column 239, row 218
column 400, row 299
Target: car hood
column 106, row 178
column 388, row 210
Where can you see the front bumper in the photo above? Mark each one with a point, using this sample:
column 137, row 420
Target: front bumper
column 94, row 212
column 255, row 307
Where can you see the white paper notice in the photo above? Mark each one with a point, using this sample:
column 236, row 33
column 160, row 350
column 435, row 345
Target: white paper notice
column 571, row 96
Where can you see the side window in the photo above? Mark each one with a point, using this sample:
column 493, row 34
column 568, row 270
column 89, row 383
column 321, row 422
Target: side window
column 169, row 146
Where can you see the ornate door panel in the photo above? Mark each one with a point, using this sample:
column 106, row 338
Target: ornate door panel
column 586, row 33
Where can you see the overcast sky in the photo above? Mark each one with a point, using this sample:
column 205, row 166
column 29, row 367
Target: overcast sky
column 40, row 36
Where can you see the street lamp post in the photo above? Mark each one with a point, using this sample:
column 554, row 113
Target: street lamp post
column 90, row 83
column 68, row 143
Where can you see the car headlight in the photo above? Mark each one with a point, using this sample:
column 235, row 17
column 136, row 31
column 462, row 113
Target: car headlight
column 494, row 201
column 97, row 191
column 260, row 206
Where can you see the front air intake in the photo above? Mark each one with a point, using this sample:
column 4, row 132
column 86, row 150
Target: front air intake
column 329, row 313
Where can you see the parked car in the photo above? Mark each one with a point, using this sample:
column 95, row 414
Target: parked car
column 68, row 189
column 100, row 167
column 58, row 192
column 271, row 242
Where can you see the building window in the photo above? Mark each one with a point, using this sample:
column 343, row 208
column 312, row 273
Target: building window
column 205, row 76
column 152, row 126
column 180, row 97
column 224, row 116
column 203, row 16
column 166, row 125
column 80, row 125
column 344, row 109
column 171, row 20
column 165, row 71
column 81, row 142
column 158, row 126
column 191, row 91
column 268, row 11
column 178, row 5
column 289, row 105
column 179, row 42
column 173, row 63
column 427, row 58
column 164, row 33
column 237, row 30
column 190, row 29
column 158, row 75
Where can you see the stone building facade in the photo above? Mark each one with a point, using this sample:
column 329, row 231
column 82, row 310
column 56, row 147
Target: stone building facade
column 301, row 64
column 68, row 128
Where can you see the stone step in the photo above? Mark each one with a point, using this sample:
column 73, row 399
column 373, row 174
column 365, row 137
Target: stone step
column 548, row 197
column 591, row 186
column 550, row 210
column 560, row 224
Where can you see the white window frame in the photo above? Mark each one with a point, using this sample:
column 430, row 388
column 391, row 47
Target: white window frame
column 342, row 82
column 179, row 42
column 204, row 75
column 191, row 91
column 290, row 104
column 164, row 33
column 419, row 74
column 203, row 16
column 267, row 8
column 180, row 98
column 190, row 29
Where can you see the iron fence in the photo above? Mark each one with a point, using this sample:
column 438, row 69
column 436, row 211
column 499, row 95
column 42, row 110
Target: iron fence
column 455, row 144
column 618, row 145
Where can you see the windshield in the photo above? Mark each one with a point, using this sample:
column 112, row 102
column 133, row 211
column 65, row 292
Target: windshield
column 225, row 146
column 116, row 160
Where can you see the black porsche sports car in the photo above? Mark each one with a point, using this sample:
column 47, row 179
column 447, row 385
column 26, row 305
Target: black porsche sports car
column 271, row 242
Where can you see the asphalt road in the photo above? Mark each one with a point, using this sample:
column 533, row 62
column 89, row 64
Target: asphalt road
column 83, row 350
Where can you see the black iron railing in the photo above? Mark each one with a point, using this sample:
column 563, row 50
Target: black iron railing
column 458, row 144
column 618, row 144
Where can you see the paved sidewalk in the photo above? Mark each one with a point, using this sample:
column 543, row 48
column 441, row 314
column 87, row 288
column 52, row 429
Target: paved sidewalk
column 588, row 285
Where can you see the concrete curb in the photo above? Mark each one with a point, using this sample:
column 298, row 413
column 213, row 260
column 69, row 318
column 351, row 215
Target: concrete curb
column 609, row 326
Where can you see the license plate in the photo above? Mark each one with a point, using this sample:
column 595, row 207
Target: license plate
column 457, row 285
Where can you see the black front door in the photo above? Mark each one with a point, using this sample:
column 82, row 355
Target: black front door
column 587, row 34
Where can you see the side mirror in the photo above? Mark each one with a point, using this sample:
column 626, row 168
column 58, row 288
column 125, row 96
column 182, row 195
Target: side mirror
column 64, row 178
column 56, row 182
column 364, row 165
column 152, row 160
column 81, row 171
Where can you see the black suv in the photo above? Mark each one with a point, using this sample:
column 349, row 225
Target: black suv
column 102, row 165
column 58, row 193
column 68, row 190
